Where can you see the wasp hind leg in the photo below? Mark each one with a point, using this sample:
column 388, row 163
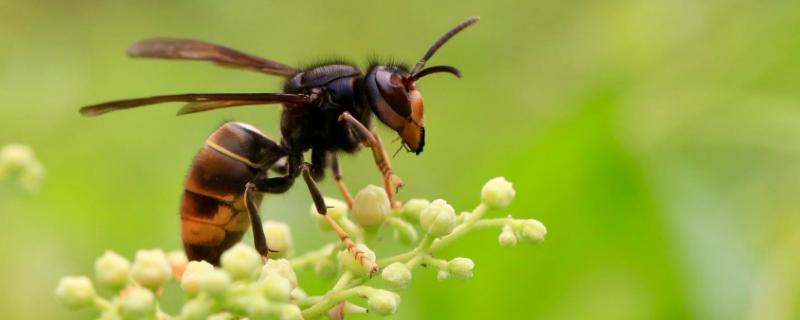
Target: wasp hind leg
column 322, row 209
column 259, row 238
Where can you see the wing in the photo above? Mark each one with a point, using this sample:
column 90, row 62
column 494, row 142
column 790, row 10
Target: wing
column 199, row 102
column 175, row 48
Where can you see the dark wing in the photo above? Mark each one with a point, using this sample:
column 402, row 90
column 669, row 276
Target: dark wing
column 174, row 48
column 199, row 102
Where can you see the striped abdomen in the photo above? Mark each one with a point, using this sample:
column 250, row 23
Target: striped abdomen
column 213, row 214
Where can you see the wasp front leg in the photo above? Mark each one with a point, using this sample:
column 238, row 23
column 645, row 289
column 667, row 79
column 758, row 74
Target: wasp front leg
column 391, row 182
column 319, row 204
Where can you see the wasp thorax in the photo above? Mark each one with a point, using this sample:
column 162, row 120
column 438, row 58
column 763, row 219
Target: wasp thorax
column 393, row 97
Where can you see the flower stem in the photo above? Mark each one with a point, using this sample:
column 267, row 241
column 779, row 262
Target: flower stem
column 332, row 299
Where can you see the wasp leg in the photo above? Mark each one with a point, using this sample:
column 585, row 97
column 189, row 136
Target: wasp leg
column 319, row 161
column 322, row 209
column 391, row 182
column 337, row 176
column 259, row 239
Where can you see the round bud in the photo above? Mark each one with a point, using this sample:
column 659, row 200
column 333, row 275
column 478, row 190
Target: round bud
column 531, row 231
column 215, row 282
column 442, row 275
column 241, row 261
column 326, row 268
column 138, row 303
column 196, row 309
column 112, row 270
column 412, row 208
column 279, row 238
column 337, row 209
column 383, row 302
column 461, row 268
column 349, row 262
column 291, row 312
column 371, row 207
column 75, row 292
column 497, row 193
column 178, row 261
column 280, row 267
column 150, row 268
column 507, row 237
column 438, row 219
column 396, row 276
column 276, row 288
column 195, row 270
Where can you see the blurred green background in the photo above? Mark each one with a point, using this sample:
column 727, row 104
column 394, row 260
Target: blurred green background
column 657, row 140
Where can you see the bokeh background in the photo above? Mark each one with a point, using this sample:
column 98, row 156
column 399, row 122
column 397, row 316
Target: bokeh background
column 659, row 141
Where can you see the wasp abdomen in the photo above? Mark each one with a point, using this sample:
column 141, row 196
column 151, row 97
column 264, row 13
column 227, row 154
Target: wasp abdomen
column 213, row 212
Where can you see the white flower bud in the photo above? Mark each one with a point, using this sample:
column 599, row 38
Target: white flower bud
column 222, row 316
column 442, row 275
column 19, row 160
column 280, row 267
column 497, row 193
column 507, row 237
column 298, row 293
column 178, row 261
column 461, row 268
column 241, row 261
column 150, row 268
column 337, row 209
column 138, row 303
column 531, row 231
column 112, row 270
column 412, row 208
column 396, row 276
column 349, row 262
column 438, row 219
column 195, row 270
column 276, row 288
column 279, row 238
column 371, row 207
column 75, row 292
column 404, row 231
column 291, row 312
column 383, row 302
column 215, row 282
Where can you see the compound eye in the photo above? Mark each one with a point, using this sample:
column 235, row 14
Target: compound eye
column 393, row 90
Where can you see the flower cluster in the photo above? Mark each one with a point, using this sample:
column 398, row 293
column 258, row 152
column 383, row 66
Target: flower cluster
column 246, row 287
column 18, row 162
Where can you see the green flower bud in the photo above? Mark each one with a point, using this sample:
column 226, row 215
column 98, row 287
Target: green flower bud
column 371, row 207
column 112, row 270
column 279, row 238
column 507, row 237
column 383, row 302
column 195, row 270
column 280, row 267
column 438, row 219
column 461, row 268
column 150, row 268
column 291, row 312
column 298, row 293
column 404, row 231
column 412, row 208
column 349, row 262
column 276, row 288
column 138, row 303
column 531, row 231
column 197, row 309
column 497, row 193
column 396, row 276
column 75, row 292
column 442, row 275
column 241, row 261
column 215, row 282
column 337, row 209
column 326, row 268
